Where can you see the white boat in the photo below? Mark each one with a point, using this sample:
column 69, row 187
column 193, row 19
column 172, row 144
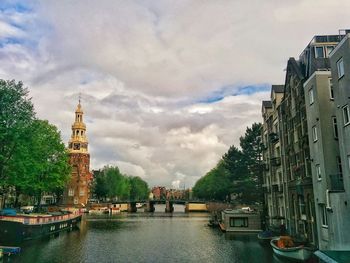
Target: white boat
column 300, row 253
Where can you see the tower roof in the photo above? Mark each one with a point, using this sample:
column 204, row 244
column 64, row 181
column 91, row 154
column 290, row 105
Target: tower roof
column 79, row 108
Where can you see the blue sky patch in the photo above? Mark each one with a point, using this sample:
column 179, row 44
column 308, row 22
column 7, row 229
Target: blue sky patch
column 231, row 90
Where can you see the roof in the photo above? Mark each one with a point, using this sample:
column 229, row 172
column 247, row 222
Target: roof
column 277, row 88
column 267, row 104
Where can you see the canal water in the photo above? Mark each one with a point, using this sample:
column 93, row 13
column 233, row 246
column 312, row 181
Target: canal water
column 147, row 237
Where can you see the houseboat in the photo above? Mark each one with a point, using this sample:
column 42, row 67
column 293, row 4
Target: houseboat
column 15, row 228
column 240, row 221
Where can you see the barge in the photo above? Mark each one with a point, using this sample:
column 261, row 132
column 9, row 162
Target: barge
column 16, row 228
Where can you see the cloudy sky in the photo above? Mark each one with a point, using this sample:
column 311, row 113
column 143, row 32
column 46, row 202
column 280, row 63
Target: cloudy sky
column 167, row 86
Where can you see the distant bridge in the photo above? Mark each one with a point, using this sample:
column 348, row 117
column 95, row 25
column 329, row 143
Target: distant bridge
column 199, row 206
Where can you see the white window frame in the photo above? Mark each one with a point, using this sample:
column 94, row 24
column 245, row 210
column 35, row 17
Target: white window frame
column 331, row 91
column 340, row 68
column 324, row 216
column 323, row 55
column 314, row 133
column 327, row 50
column 311, row 96
column 318, row 172
column 70, row 192
column 346, row 115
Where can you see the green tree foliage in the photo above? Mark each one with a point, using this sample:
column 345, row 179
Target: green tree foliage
column 238, row 173
column 215, row 185
column 33, row 158
column 42, row 162
column 138, row 188
column 16, row 115
column 111, row 183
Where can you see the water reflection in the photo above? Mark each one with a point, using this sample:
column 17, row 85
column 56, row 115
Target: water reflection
column 147, row 237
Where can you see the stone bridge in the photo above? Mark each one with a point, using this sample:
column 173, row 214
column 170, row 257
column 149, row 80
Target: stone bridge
column 190, row 206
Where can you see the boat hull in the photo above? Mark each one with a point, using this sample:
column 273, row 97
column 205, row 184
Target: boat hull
column 300, row 253
column 12, row 233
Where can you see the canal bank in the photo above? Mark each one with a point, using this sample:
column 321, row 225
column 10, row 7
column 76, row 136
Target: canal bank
column 147, row 237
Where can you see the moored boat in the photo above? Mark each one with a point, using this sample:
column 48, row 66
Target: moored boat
column 10, row 250
column 285, row 247
column 15, row 228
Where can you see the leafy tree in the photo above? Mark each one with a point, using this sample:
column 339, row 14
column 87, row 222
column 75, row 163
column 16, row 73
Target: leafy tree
column 138, row 188
column 239, row 172
column 100, row 187
column 215, row 185
column 42, row 161
column 111, row 183
column 252, row 146
column 16, row 115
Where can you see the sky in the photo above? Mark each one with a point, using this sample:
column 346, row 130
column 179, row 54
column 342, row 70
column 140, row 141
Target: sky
column 167, row 86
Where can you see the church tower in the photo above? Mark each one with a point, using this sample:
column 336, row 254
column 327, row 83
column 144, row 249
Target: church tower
column 77, row 191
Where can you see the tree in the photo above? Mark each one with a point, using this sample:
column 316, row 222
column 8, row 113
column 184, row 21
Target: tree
column 42, row 161
column 111, row 183
column 100, row 187
column 16, row 116
column 138, row 188
column 251, row 145
column 215, row 185
column 239, row 172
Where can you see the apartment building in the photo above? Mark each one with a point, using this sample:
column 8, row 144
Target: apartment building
column 295, row 132
column 272, row 174
column 337, row 212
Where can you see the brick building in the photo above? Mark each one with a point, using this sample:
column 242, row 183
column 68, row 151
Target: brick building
column 77, row 191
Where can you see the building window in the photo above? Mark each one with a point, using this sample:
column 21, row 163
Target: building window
column 324, row 215
column 335, row 127
column 330, row 85
column 319, row 52
column 311, row 96
column 329, row 50
column 346, row 115
column 318, row 172
column 238, row 221
column 71, row 192
column 340, row 67
column 314, row 133
column 340, row 168
column 82, row 192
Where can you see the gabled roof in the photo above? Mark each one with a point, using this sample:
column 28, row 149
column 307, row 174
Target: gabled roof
column 277, row 88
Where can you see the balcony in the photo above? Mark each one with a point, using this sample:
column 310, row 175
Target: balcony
column 337, row 183
column 273, row 137
column 275, row 161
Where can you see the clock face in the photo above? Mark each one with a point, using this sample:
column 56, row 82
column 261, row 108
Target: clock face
column 76, row 146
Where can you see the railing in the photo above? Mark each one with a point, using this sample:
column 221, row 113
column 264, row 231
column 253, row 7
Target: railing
column 337, row 183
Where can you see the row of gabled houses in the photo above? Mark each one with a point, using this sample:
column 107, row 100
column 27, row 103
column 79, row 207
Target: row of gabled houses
column 306, row 145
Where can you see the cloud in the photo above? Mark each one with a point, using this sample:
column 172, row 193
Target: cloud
column 167, row 86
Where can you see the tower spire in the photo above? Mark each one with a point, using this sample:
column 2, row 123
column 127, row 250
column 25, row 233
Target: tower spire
column 78, row 142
